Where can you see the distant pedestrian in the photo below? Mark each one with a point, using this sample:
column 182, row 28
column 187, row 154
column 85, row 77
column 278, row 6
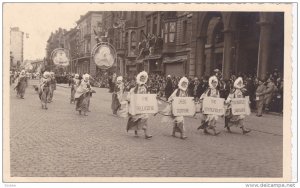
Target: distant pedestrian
column 44, row 89
column 269, row 92
column 21, row 84
column 139, row 121
column 83, row 94
column 117, row 95
column 75, row 82
column 260, row 97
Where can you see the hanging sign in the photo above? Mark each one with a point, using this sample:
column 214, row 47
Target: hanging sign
column 104, row 55
column 60, row 57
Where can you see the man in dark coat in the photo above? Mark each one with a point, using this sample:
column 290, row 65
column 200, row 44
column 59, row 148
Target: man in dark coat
column 169, row 87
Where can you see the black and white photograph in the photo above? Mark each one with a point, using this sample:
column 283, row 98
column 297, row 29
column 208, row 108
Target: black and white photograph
column 147, row 92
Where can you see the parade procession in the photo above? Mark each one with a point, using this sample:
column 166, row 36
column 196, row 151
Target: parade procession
column 131, row 94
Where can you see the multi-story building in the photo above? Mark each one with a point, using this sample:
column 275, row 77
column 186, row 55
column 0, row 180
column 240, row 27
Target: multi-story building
column 16, row 46
column 89, row 26
column 71, row 44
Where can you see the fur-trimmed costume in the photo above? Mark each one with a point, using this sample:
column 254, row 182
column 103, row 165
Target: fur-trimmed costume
column 83, row 94
column 230, row 119
column 178, row 121
column 208, row 121
column 52, row 86
column 139, row 121
column 74, row 85
column 44, row 89
column 21, row 84
column 117, row 95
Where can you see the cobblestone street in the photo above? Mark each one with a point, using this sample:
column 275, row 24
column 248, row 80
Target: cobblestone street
column 59, row 143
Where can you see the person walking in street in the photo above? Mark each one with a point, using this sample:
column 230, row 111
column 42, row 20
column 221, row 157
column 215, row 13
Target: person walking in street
column 21, row 84
column 44, row 89
column 139, row 121
column 117, row 95
column 178, row 121
column 260, row 97
column 83, row 94
column 75, row 82
column 209, row 120
column 52, row 86
column 169, row 87
column 230, row 119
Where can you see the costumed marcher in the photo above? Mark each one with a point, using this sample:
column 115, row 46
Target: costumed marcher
column 237, row 120
column 52, row 86
column 178, row 121
column 209, row 121
column 139, row 121
column 83, row 94
column 117, row 95
column 74, row 85
column 21, row 84
column 44, row 89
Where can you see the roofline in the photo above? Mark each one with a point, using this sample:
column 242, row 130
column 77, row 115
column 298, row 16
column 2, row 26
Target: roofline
column 87, row 14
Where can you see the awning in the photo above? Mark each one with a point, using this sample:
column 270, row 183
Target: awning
column 175, row 59
column 150, row 57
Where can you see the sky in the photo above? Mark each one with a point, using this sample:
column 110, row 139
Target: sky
column 40, row 19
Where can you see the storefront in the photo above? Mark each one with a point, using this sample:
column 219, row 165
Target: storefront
column 175, row 66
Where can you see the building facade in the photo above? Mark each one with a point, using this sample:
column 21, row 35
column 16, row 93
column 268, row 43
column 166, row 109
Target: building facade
column 16, row 47
column 181, row 43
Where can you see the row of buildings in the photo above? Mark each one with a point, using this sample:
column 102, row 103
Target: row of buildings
column 177, row 43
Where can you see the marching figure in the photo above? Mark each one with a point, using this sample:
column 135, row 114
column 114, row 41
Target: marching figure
column 83, row 94
column 52, row 86
column 209, row 120
column 44, row 89
column 117, row 95
column 230, row 119
column 178, row 121
column 139, row 121
column 74, row 85
column 21, row 84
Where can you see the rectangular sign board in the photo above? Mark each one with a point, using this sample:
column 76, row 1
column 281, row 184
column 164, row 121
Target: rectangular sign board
column 238, row 106
column 213, row 106
column 143, row 104
column 183, row 106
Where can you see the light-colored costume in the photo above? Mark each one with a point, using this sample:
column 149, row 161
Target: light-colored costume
column 117, row 95
column 178, row 121
column 74, row 85
column 237, row 120
column 83, row 94
column 52, row 86
column 208, row 121
column 21, row 84
column 44, row 89
column 139, row 121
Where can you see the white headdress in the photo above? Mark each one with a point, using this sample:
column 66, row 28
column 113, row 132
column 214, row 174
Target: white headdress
column 23, row 72
column 86, row 76
column 212, row 79
column 237, row 83
column 46, row 74
column 76, row 76
column 119, row 78
column 183, row 79
column 138, row 77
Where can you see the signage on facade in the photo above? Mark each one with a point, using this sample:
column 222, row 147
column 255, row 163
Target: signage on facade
column 60, row 57
column 104, row 55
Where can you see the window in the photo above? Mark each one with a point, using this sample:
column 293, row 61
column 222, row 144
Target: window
column 166, row 32
column 172, row 32
column 184, row 31
column 148, row 26
column 154, row 29
column 126, row 41
column 133, row 40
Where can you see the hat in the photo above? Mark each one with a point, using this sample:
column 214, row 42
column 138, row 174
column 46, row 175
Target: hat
column 169, row 76
column 86, row 76
column 76, row 76
column 216, row 70
column 142, row 74
column 183, row 79
column 211, row 80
